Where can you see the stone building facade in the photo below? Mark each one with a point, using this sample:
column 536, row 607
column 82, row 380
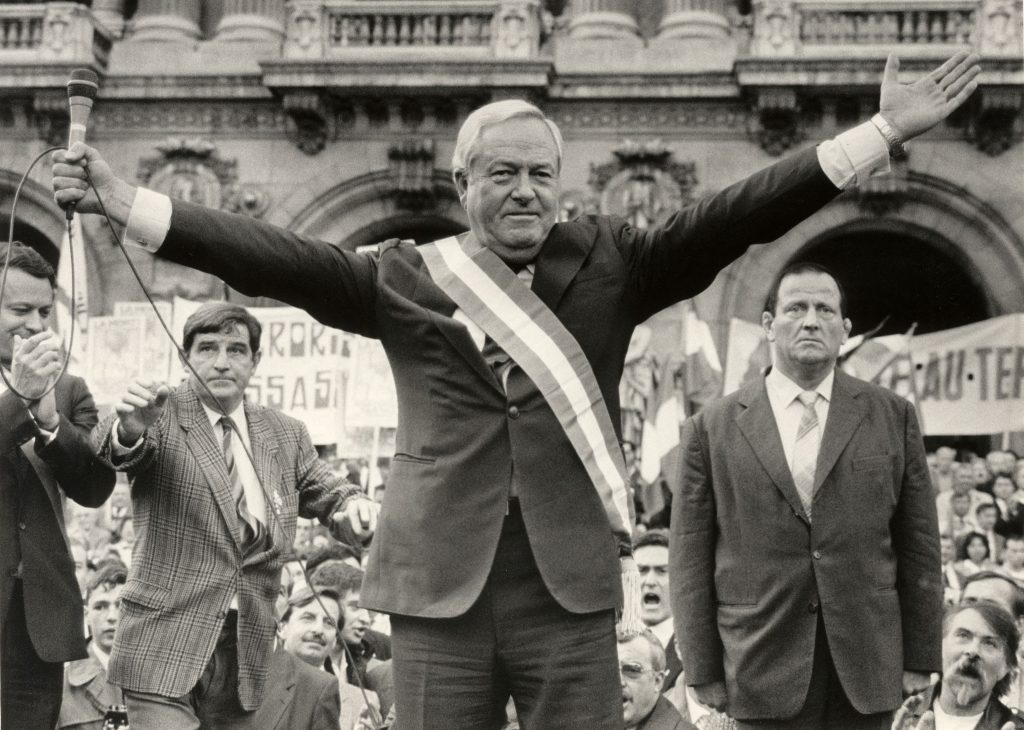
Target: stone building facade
column 337, row 118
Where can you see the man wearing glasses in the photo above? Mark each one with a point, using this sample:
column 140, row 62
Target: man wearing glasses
column 642, row 671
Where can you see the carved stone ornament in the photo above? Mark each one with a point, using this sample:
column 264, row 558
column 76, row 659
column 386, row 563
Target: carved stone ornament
column 190, row 170
column 996, row 123
column 247, row 199
column 777, row 121
column 50, row 112
column 310, row 120
column 882, row 195
column 644, row 185
column 773, row 28
column 518, row 30
column 1002, row 26
column 411, row 165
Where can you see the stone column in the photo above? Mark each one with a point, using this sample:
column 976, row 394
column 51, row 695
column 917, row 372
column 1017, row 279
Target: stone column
column 252, row 20
column 603, row 19
column 694, row 19
column 111, row 14
column 166, row 20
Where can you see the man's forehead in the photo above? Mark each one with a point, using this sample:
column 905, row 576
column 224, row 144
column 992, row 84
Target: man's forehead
column 808, row 285
column 516, row 137
column 652, row 555
column 637, row 650
column 975, row 623
column 105, row 594
column 231, row 333
column 996, row 590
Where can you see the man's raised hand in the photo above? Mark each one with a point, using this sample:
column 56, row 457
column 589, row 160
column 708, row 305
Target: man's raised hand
column 70, row 184
column 361, row 515
column 912, row 109
column 140, row 408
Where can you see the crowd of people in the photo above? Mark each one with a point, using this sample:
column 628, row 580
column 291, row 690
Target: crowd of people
column 798, row 584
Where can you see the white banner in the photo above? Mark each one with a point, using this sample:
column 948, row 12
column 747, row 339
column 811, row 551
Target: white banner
column 370, row 396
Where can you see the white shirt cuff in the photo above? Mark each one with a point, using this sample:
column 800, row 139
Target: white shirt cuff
column 854, row 156
column 47, row 436
column 149, row 220
column 119, row 449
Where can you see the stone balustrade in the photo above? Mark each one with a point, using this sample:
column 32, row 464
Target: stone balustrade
column 817, row 27
column 509, row 28
column 62, row 32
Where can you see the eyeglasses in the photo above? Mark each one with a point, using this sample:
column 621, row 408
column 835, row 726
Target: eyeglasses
column 633, row 670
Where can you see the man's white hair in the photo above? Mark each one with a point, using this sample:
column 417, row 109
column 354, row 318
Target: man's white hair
column 495, row 113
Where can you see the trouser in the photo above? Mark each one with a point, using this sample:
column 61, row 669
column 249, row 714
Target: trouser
column 212, row 703
column 827, row 705
column 560, row 668
column 30, row 688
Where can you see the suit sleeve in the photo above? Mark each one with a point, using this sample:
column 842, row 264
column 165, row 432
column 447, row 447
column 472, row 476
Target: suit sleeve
column 336, row 287
column 916, row 541
column 683, row 257
column 692, row 563
column 81, row 473
column 321, row 492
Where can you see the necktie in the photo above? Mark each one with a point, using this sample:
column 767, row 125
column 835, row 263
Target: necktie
column 252, row 528
column 805, row 454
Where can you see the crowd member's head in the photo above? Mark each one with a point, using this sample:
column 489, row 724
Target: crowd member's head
column 960, row 503
column 988, row 585
column 981, row 472
column 308, row 627
column 997, row 462
column 347, row 582
column 80, row 557
column 28, row 297
column 964, row 481
column 650, row 551
column 979, row 657
column 985, row 516
column 103, row 604
column 222, row 342
column 1013, row 555
column 331, row 552
column 642, row 672
column 947, row 548
column 945, row 456
column 303, row 536
column 1018, row 473
column 974, row 547
column 506, row 167
column 804, row 322
column 1003, row 487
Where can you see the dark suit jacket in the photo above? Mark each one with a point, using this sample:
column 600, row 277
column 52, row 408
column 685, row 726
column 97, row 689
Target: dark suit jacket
column 297, row 697
column 458, row 437
column 32, row 521
column 750, row 575
column 664, row 717
column 188, row 560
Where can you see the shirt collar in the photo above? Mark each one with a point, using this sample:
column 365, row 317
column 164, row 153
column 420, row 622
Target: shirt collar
column 787, row 391
column 237, row 415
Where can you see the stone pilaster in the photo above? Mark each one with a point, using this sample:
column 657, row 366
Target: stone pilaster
column 166, row 20
column 603, row 19
column 252, row 20
column 694, row 19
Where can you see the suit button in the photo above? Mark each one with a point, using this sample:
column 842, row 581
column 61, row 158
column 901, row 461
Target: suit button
column 816, row 554
column 812, row 607
column 13, row 572
column 21, row 525
column 513, row 412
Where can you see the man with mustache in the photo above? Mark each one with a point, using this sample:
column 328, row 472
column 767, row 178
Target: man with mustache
column 805, row 564
column 979, row 659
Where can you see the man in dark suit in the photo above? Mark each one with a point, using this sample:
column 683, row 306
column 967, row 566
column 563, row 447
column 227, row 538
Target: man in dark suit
column 213, row 528
column 44, row 452
column 805, row 559
column 495, row 550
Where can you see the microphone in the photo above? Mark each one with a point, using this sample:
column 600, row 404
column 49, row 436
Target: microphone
column 82, row 88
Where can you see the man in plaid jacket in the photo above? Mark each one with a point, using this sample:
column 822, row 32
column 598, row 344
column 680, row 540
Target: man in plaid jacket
column 213, row 528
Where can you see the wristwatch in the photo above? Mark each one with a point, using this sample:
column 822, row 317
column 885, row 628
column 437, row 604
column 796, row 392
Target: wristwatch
column 897, row 147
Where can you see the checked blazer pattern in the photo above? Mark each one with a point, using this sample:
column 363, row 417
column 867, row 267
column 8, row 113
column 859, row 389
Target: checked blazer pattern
column 189, row 559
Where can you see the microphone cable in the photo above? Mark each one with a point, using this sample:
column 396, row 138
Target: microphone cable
column 375, row 714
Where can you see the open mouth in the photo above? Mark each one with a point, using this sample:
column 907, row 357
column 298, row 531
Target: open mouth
column 651, row 599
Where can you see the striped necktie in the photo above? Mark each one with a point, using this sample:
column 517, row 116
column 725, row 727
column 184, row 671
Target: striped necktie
column 252, row 528
column 805, row 453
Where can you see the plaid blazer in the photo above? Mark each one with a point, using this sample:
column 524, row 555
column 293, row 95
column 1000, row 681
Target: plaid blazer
column 188, row 561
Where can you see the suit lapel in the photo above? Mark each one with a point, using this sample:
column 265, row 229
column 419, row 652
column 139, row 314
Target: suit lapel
column 757, row 423
column 844, row 416
column 280, row 688
column 564, row 252
column 203, row 444
column 261, row 443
